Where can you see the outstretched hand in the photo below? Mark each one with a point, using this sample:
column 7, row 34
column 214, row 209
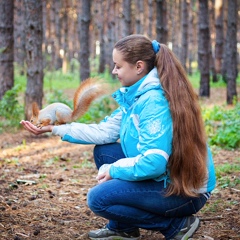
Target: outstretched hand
column 35, row 130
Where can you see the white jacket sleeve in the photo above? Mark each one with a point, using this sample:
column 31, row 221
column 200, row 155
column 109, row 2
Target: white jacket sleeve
column 107, row 131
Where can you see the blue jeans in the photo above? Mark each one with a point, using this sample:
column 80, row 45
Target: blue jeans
column 141, row 204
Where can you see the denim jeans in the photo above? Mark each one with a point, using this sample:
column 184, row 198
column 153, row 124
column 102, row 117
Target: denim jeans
column 138, row 204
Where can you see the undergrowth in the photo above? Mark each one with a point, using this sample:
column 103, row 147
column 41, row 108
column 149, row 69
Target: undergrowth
column 223, row 126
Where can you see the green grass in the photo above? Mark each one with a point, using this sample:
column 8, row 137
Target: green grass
column 195, row 80
column 228, row 174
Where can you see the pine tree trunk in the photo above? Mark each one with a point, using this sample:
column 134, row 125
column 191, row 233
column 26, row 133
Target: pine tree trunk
column 65, row 36
column 231, row 51
column 110, row 33
column 6, row 46
column 150, row 19
column 219, row 35
column 184, row 27
column 192, row 42
column 139, row 6
column 58, row 59
column 126, row 20
column 161, row 24
column 84, row 39
column 203, row 48
column 175, row 18
column 212, row 39
column 34, row 36
column 19, row 36
column 100, row 23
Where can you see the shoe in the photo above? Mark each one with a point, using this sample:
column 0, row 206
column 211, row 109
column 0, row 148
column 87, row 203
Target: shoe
column 190, row 227
column 106, row 234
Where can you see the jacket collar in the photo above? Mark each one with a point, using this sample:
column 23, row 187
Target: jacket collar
column 126, row 96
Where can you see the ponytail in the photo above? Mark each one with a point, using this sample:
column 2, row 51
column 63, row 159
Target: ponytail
column 187, row 163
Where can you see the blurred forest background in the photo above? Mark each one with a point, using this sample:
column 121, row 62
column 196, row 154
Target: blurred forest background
column 38, row 37
column 48, row 47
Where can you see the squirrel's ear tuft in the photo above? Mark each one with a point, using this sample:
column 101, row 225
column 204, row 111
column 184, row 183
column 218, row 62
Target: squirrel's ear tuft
column 35, row 109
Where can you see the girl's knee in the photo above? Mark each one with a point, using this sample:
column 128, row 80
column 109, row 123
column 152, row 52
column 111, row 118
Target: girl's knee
column 93, row 198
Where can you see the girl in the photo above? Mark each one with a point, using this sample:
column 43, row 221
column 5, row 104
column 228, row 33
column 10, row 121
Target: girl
column 161, row 172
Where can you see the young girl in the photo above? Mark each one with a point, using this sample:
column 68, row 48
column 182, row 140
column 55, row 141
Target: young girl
column 161, row 171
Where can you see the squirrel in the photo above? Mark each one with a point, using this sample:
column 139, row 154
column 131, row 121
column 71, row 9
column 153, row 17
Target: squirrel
column 59, row 113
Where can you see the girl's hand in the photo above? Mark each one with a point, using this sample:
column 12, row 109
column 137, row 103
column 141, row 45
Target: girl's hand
column 35, row 130
column 104, row 177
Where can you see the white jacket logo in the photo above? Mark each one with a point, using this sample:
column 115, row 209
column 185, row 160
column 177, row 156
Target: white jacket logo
column 155, row 127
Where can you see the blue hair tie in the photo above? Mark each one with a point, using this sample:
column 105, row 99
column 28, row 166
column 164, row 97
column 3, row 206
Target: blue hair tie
column 156, row 46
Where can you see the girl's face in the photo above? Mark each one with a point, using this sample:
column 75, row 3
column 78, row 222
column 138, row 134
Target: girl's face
column 127, row 73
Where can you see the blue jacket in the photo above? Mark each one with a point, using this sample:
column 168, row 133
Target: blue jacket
column 144, row 125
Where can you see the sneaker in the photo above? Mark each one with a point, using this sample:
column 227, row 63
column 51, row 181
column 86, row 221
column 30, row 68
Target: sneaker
column 106, row 234
column 190, row 227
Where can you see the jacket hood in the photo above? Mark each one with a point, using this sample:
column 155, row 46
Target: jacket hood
column 151, row 81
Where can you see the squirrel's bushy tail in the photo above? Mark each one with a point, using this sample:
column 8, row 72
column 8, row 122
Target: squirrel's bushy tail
column 89, row 90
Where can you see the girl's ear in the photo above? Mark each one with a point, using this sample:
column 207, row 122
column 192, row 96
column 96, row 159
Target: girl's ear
column 140, row 67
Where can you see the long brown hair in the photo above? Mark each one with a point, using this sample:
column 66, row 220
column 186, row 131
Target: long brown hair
column 187, row 163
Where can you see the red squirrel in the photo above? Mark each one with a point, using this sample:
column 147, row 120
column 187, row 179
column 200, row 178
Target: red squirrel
column 59, row 113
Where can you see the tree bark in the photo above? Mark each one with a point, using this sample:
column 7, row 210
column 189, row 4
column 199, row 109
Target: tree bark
column 84, row 39
column 34, row 36
column 110, row 33
column 126, row 17
column 174, row 11
column 150, row 19
column 184, row 39
column 161, row 26
column 231, row 51
column 139, row 24
column 6, row 46
column 219, row 35
column 19, row 36
column 211, row 40
column 65, row 26
column 99, row 13
column 203, row 48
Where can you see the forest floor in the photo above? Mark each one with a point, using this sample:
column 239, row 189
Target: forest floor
column 44, row 183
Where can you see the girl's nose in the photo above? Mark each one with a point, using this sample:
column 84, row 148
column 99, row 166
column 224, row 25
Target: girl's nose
column 114, row 71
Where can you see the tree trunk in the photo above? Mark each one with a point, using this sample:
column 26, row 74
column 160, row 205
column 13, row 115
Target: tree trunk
column 161, row 24
column 192, row 43
column 100, row 10
column 58, row 41
column 212, row 39
column 139, row 8
column 231, row 51
column 126, row 21
column 203, row 48
column 150, row 19
column 84, row 39
column 225, row 26
column 184, row 27
column 19, row 36
column 65, row 36
column 34, row 36
column 219, row 35
column 6, row 46
column 110, row 33
column 174, row 12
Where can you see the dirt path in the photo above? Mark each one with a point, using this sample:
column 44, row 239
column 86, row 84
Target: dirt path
column 55, row 207
column 52, row 202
